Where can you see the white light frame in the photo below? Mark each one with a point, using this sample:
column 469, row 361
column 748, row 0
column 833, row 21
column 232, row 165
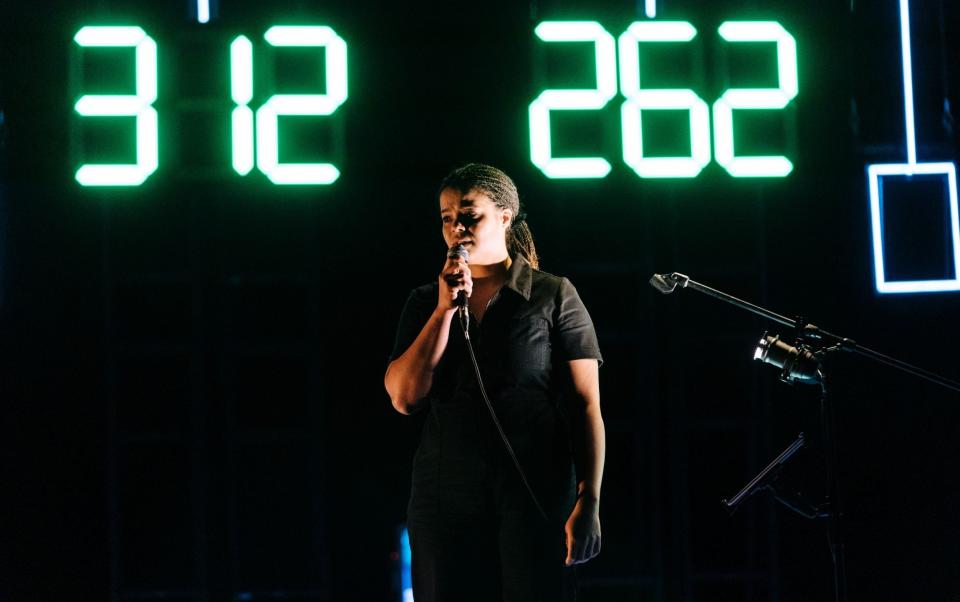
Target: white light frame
column 877, row 171
column 875, row 174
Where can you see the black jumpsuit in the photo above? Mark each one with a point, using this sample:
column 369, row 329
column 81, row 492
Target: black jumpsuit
column 475, row 534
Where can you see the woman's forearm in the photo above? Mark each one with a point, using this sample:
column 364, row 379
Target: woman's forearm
column 589, row 431
column 410, row 376
column 582, row 528
column 594, row 452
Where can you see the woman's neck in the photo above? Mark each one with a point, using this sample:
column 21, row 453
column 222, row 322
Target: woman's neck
column 492, row 273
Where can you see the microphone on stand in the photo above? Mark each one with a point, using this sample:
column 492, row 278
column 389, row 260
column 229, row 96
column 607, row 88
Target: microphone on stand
column 460, row 252
column 667, row 283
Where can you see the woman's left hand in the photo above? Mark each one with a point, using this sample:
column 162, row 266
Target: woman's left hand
column 583, row 531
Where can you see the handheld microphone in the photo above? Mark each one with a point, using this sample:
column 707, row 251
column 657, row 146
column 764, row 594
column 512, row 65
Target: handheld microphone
column 460, row 252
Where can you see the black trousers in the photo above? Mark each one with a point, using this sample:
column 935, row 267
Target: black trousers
column 511, row 558
column 475, row 533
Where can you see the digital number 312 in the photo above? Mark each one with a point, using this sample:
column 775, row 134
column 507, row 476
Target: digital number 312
column 243, row 120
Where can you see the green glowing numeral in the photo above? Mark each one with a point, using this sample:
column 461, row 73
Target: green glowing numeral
column 335, row 68
column 137, row 105
column 572, row 100
column 639, row 100
column 267, row 116
column 755, row 98
column 241, row 90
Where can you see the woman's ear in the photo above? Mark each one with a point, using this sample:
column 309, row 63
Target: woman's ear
column 506, row 217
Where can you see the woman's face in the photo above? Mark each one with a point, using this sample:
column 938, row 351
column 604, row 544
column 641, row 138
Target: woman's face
column 473, row 220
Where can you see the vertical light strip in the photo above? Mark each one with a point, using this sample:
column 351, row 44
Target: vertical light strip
column 951, row 172
column 907, row 81
column 203, row 11
column 406, row 573
column 651, row 9
column 876, row 225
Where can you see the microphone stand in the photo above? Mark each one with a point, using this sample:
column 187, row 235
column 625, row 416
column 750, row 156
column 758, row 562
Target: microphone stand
column 821, row 344
column 667, row 283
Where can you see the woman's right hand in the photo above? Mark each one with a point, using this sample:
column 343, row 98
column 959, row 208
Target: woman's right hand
column 454, row 278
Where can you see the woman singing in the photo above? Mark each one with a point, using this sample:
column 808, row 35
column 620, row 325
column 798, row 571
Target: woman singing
column 479, row 529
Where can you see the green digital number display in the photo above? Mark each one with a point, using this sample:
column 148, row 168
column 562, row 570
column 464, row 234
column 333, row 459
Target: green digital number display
column 241, row 92
column 747, row 98
column 267, row 116
column 138, row 105
column 255, row 135
column 640, row 99
column 541, row 152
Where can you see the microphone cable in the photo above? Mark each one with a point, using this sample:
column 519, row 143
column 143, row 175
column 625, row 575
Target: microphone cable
column 496, row 421
column 464, row 325
column 464, row 315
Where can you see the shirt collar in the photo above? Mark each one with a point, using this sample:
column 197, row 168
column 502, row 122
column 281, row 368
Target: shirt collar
column 520, row 277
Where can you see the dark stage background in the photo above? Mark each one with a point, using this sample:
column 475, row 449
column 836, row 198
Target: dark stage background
column 192, row 406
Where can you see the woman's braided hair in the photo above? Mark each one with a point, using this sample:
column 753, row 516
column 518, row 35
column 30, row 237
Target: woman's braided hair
column 503, row 192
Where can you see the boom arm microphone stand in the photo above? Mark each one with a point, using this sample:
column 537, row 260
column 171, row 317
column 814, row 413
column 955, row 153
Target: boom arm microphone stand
column 803, row 363
column 808, row 333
